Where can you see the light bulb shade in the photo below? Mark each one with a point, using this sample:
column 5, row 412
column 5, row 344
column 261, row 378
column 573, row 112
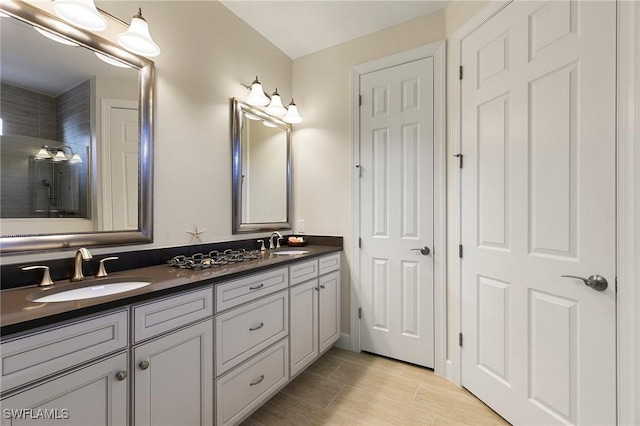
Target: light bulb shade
column 292, row 116
column 75, row 158
column 251, row 116
column 275, row 106
column 111, row 61
column 60, row 156
column 137, row 38
column 81, row 13
column 269, row 124
column 257, row 96
column 54, row 37
column 43, row 154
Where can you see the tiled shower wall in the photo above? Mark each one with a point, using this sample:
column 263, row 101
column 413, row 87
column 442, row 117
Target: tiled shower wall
column 31, row 120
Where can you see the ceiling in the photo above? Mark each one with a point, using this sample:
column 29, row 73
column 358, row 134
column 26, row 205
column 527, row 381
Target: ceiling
column 302, row 27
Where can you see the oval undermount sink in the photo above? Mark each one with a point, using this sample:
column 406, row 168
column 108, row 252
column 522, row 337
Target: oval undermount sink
column 290, row 252
column 89, row 289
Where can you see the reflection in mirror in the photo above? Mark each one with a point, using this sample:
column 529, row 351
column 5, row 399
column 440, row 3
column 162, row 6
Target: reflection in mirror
column 75, row 141
column 261, row 170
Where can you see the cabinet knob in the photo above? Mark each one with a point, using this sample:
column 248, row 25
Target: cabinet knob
column 121, row 375
column 143, row 365
column 322, row 286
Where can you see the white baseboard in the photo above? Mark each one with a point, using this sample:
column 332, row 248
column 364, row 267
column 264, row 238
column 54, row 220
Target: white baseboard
column 344, row 342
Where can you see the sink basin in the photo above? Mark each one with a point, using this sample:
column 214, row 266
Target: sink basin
column 290, row 252
column 89, row 289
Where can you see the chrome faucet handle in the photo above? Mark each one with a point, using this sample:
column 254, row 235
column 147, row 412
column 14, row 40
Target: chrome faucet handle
column 46, row 278
column 261, row 245
column 102, row 272
column 278, row 242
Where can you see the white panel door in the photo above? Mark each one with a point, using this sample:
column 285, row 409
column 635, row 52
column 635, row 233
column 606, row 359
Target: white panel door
column 123, row 148
column 538, row 202
column 329, row 310
column 303, row 330
column 396, row 145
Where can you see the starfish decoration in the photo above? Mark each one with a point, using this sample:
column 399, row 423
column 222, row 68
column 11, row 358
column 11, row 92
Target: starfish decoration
column 195, row 235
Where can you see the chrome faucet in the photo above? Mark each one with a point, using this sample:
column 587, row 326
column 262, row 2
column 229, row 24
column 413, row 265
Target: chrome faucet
column 81, row 255
column 277, row 234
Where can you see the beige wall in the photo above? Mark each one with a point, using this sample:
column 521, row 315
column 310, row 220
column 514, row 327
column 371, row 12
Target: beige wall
column 322, row 143
column 206, row 52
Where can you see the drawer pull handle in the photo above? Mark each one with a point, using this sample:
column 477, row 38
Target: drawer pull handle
column 257, row 328
column 257, row 286
column 257, row 382
column 121, row 375
column 143, row 365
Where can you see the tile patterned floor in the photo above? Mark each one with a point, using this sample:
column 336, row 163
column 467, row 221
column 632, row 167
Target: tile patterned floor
column 348, row 388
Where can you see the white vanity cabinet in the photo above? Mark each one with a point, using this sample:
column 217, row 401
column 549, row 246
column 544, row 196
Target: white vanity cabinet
column 172, row 374
column 71, row 374
column 252, row 344
column 315, row 311
column 93, row 395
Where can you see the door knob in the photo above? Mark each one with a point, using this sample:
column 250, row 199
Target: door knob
column 424, row 250
column 596, row 282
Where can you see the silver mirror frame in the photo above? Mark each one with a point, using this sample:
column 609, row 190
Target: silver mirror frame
column 238, row 108
column 144, row 234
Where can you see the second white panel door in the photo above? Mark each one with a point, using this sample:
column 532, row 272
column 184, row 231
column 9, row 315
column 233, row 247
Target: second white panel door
column 396, row 145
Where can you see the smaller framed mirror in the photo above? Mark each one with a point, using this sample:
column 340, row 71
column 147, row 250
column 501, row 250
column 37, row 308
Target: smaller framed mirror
column 261, row 148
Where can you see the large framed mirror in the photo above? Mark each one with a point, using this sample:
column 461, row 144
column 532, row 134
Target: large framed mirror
column 76, row 146
column 261, row 170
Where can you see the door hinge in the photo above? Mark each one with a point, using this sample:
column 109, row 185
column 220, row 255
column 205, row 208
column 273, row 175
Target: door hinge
column 359, row 242
column 359, row 313
column 460, row 339
column 359, row 170
column 460, row 251
column 360, row 100
column 459, row 157
column 460, row 73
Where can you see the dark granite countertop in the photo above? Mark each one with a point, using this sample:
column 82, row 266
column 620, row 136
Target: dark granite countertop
column 17, row 314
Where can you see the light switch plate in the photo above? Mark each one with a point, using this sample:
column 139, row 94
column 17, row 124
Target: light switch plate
column 300, row 227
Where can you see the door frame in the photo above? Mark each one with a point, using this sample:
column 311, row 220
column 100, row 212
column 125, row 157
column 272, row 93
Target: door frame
column 436, row 50
column 628, row 200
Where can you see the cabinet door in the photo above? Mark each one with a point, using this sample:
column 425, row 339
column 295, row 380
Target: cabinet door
column 329, row 312
column 94, row 395
column 173, row 378
column 303, row 332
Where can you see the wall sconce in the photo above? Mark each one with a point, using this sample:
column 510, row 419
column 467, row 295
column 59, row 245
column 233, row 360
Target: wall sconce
column 85, row 14
column 273, row 104
column 137, row 38
column 57, row 154
column 81, row 13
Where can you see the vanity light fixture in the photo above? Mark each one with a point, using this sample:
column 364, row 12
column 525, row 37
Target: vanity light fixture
column 292, row 116
column 57, row 154
column 137, row 38
column 257, row 96
column 111, row 61
column 81, row 13
column 275, row 107
column 54, row 37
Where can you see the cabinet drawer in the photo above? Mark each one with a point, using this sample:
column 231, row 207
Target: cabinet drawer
column 243, row 290
column 329, row 263
column 245, row 388
column 38, row 355
column 164, row 315
column 303, row 271
column 245, row 331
